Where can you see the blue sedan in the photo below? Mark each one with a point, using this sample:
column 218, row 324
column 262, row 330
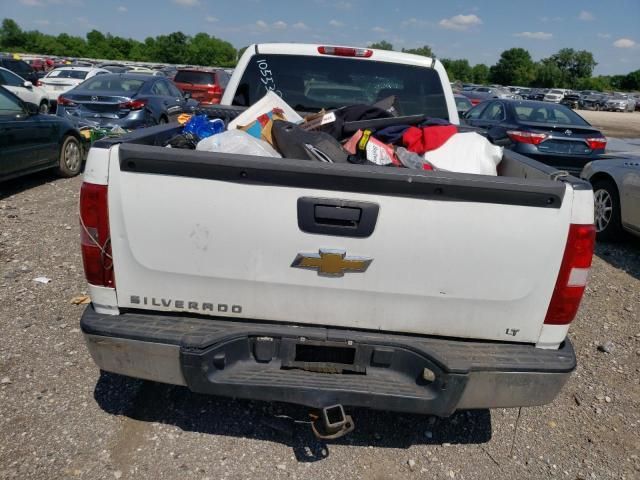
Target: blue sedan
column 550, row 133
column 128, row 100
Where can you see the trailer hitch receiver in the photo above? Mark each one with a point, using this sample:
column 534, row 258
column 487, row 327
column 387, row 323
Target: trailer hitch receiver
column 331, row 423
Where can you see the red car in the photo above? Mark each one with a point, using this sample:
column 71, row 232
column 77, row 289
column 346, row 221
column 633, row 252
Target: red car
column 205, row 86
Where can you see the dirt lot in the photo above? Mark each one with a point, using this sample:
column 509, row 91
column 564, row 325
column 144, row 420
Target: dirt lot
column 61, row 418
column 614, row 124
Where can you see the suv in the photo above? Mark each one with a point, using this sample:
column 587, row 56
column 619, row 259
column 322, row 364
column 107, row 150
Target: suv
column 205, row 86
column 20, row 67
column 556, row 95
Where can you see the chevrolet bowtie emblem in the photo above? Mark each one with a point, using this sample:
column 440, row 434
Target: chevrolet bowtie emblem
column 331, row 263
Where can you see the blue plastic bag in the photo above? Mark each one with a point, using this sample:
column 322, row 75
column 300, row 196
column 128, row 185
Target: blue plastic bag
column 202, row 127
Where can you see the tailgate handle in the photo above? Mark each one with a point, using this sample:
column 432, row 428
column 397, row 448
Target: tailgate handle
column 329, row 216
column 339, row 216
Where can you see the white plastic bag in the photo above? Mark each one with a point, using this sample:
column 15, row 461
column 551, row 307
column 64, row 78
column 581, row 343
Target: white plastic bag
column 466, row 153
column 237, row 141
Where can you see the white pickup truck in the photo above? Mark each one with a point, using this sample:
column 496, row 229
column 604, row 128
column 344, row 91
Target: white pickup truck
column 333, row 284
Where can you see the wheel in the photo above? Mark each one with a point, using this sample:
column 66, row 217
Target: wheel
column 44, row 107
column 163, row 120
column 70, row 161
column 607, row 210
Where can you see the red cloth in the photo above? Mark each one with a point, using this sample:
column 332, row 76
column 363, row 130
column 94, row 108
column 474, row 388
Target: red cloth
column 421, row 140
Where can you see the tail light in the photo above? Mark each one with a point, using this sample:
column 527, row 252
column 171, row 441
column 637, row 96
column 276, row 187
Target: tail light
column 475, row 101
column 134, row 104
column 572, row 278
column 345, row 51
column 215, row 91
column 95, row 238
column 38, row 83
column 597, row 143
column 526, row 137
column 65, row 102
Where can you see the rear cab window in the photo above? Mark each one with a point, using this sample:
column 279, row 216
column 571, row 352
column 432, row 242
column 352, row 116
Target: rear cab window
column 309, row 83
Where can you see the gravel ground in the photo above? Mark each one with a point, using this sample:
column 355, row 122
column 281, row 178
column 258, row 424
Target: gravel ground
column 61, row 418
column 614, row 124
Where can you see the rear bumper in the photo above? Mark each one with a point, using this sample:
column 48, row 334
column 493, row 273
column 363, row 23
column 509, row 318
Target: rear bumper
column 571, row 163
column 318, row 367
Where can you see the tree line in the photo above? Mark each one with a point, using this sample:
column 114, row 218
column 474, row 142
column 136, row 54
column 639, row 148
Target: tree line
column 176, row 47
column 567, row 68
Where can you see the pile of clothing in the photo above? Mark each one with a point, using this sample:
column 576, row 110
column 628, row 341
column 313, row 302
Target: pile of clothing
column 359, row 134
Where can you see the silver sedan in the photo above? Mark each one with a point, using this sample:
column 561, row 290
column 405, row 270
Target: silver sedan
column 616, row 191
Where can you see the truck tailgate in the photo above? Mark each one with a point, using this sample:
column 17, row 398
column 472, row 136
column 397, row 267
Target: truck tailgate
column 450, row 254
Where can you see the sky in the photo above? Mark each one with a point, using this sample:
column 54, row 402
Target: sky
column 478, row 30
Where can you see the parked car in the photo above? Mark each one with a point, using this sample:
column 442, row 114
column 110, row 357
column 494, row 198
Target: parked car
column 537, row 94
column 571, row 100
column 462, row 104
column 30, row 141
column 616, row 190
column 38, row 64
column 586, row 93
column 593, row 101
column 61, row 80
column 82, row 63
column 620, row 103
column 516, row 90
column 114, row 67
column 480, row 94
column 205, row 86
column 117, row 69
column 24, row 89
column 145, row 70
column 19, row 67
column 550, row 133
column 555, row 95
column 129, row 100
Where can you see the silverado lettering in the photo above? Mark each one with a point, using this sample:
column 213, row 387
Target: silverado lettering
column 185, row 305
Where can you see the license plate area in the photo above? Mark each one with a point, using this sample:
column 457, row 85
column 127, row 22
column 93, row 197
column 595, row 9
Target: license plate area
column 324, row 357
column 564, row 147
